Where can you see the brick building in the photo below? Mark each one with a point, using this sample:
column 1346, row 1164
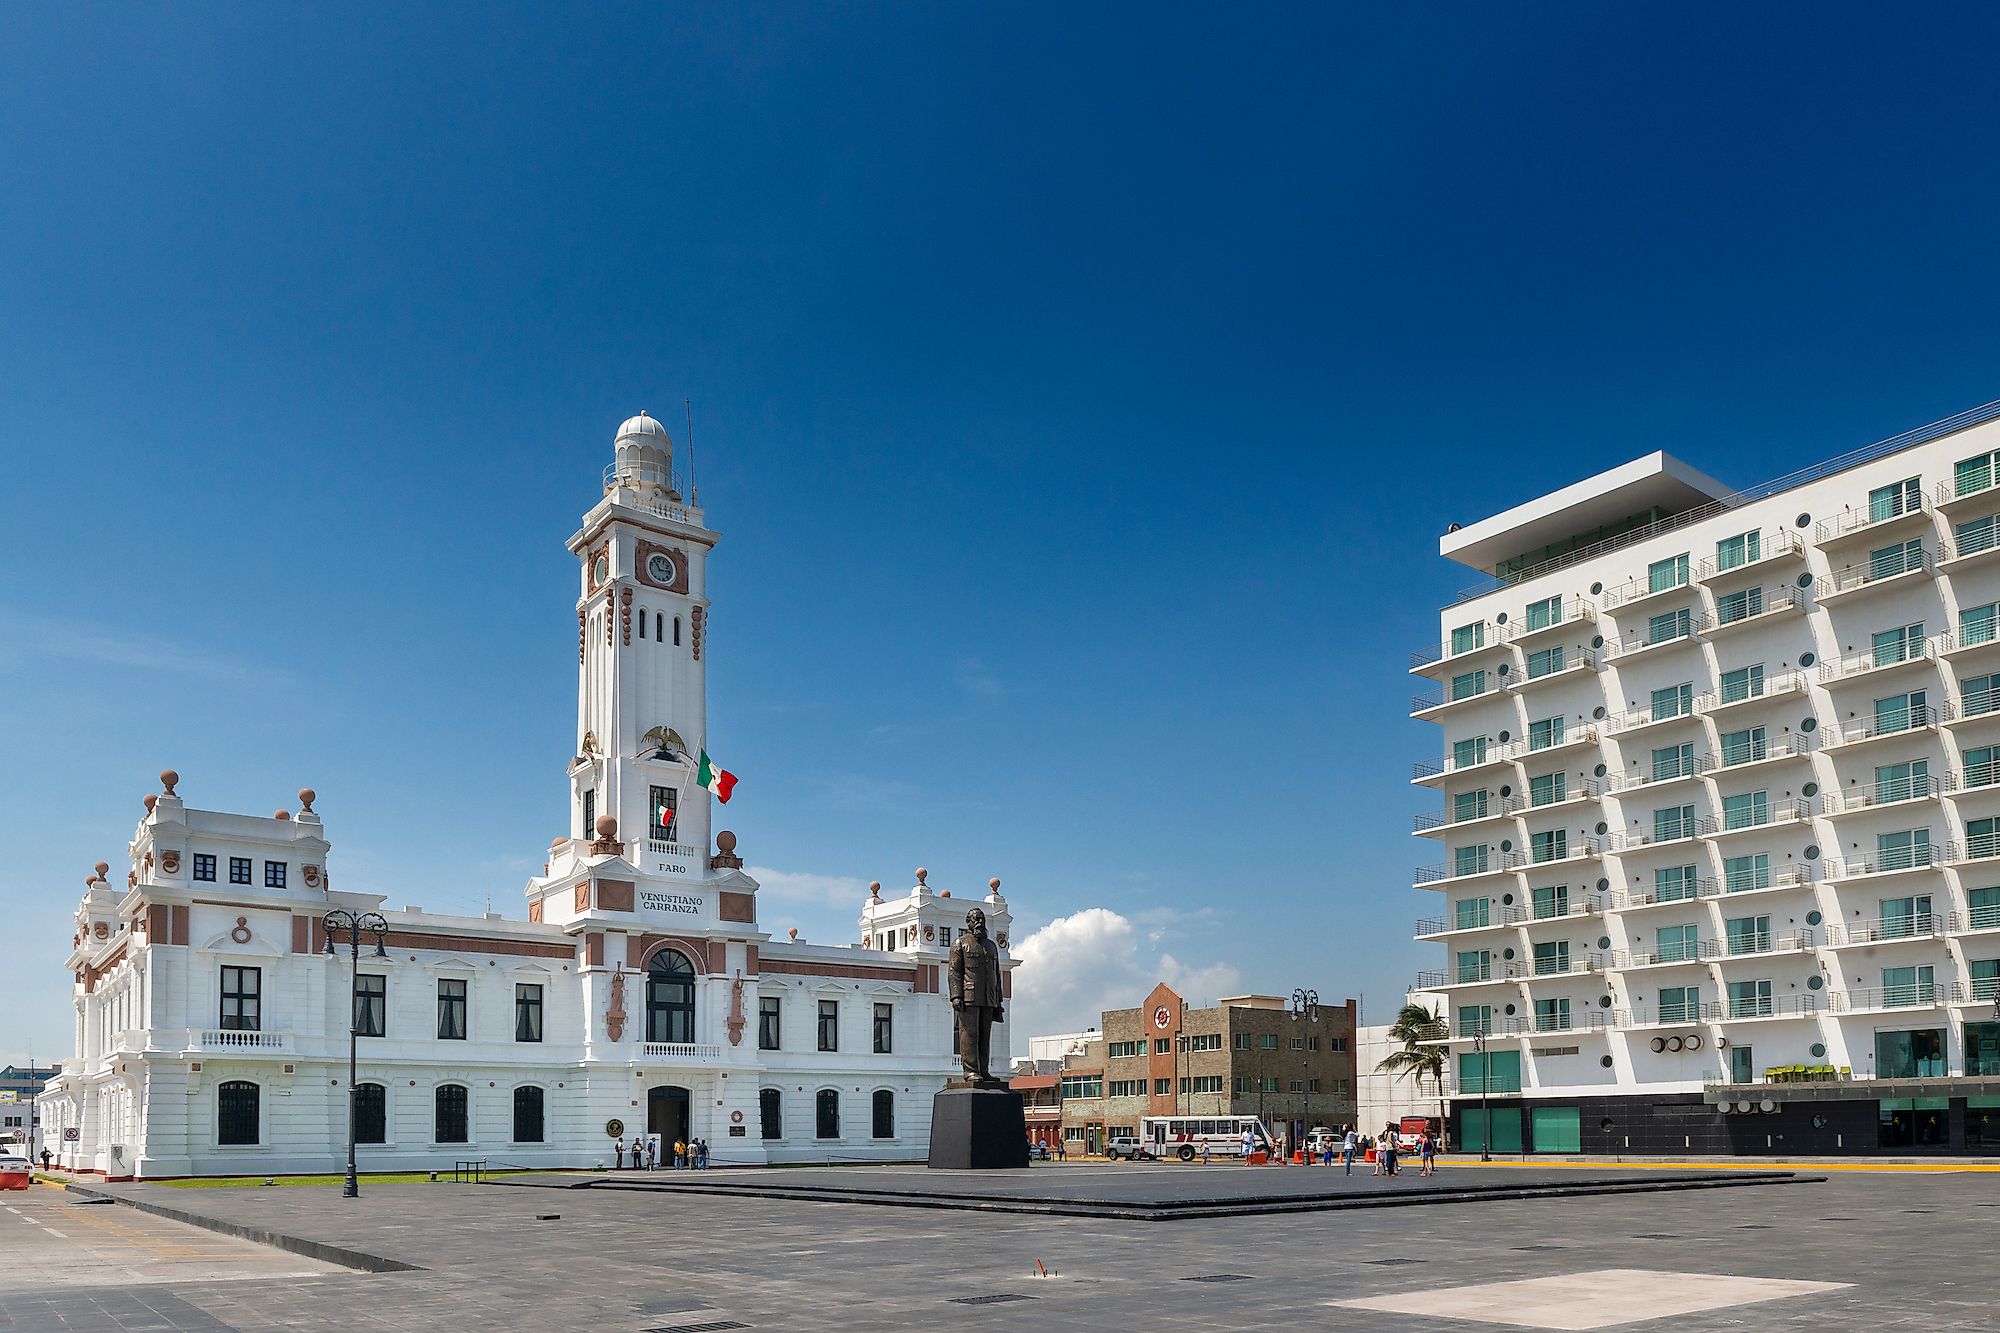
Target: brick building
column 1245, row 1056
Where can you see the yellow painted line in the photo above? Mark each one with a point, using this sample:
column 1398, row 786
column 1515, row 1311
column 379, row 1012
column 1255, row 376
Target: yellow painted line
column 1738, row 1166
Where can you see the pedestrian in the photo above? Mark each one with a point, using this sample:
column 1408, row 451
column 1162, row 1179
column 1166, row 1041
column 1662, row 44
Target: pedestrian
column 1204, row 1152
column 652, row 1152
column 1388, row 1149
column 618, row 1155
column 1249, row 1144
column 702, row 1146
column 1348, row 1143
column 1062, row 1149
column 1427, row 1151
column 680, row 1154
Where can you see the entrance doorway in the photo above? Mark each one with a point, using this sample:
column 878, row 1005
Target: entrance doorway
column 667, row 1116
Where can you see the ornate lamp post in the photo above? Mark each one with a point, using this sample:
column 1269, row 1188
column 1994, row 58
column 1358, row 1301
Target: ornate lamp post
column 1485, row 1085
column 335, row 921
column 1305, row 1005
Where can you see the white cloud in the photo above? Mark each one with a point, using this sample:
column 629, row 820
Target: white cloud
column 1079, row 965
column 806, row 890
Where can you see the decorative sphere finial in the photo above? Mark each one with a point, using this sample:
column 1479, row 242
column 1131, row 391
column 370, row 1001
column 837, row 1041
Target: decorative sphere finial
column 875, row 889
column 607, row 826
column 921, row 872
column 306, row 798
column 151, row 801
column 725, row 842
column 281, row 814
column 793, row 933
column 103, row 868
column 994, row 884
column 169, row 779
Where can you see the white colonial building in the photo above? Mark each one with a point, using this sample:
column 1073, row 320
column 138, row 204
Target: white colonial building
column 638, row 995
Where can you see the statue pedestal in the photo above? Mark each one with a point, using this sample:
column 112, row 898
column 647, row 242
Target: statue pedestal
column 978, row 1129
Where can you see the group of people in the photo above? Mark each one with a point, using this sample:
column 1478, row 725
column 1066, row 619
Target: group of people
column 1388, row 1151
column 691, row 1155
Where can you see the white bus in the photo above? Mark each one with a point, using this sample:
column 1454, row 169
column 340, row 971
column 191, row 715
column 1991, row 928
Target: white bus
column 1183, row 1136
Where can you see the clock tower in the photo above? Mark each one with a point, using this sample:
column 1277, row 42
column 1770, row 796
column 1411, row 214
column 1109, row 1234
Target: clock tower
column 642, row 685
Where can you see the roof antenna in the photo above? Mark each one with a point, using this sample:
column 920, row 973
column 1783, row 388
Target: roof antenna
column 694, row 490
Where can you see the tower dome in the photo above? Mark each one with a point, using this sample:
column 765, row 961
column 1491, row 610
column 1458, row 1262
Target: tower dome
column 645, row 457
column 643, row 429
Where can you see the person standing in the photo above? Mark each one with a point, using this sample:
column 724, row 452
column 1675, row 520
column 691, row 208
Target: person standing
column 1062, row 1149
column 618, row 1155
column 1427, row 1153
column 1348, row 1142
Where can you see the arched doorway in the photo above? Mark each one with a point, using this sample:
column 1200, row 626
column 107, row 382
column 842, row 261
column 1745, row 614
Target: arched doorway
column 667, row 1116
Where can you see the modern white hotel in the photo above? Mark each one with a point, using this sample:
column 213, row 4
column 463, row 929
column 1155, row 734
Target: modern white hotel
column 636, row 996
column 1718, row 802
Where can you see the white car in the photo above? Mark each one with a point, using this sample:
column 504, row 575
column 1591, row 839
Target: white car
column 1131, row 1149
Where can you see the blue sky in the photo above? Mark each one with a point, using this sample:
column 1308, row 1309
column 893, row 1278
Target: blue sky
column 1080, row 392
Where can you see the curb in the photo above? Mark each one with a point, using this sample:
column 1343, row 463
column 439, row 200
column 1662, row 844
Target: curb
column 277, row 1240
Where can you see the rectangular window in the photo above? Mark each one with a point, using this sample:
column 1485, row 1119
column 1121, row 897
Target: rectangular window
column 1887, row 562
column 1267, row 1041
column 1467, row 638
column 1552, row 845
column 1750, row 810
column 1898, row 645
column 1126, row 1087
column 1489, row 1071
column 1677, row 944
column 204, row 867
column 1470, row 860
column 1900, row 497
column 1163, row 1087
column 1205, row 1041
column 239, row 870
column 590, row 813
column 1551, row 957
column 1976, row 624
column 371, row 1005
column 1082, row 1085
column 1680, row 1004
column 1918, row 1054
column 1471, row 914
column 1982, row 1060
column 1740, row 605
column 1545, row 662
column 1543, row 614
column 1985, row 979
column 1240, row 1042
column 1673, row 761
column 1466, row 753
column 451, row 1010
column 1467, row 805
column 242, row 999
column 1743, row 683
column 1674, row 701
column 884, row 1033
column 1982, row 766
column 1900, row 712
column 1984, row 908
column 1474, row 965
column 1742, row 1064
column 1162, row 1045
column 1670, row 625
column 829, row 1025
column 1750, row 999
column 1268, row 1084
column 1550, row 902
column 1552, row 1015
column 274, row 874
column 1669, row 573
column 1906, row 849
column 1743, row 747
column 1122, row 1050
column 527, row 1011
column 1298, row 1043
column 1908, row 986
column 1741, row 874
column 1901, row 782
column 1738, row 550
column 1475, row 1020
column 662, row 807
column 1548, row 788
column 1674, row 821
column 1672, row 884
column 1545, row 733
column 768, row 1020
column 1978, row 695
column 1970, row 476
column 1469, row 685
column 1976, row 535
column 1982, row 839
column 1748, row 934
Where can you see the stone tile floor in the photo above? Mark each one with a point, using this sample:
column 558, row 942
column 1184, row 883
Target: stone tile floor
column 643, row 1260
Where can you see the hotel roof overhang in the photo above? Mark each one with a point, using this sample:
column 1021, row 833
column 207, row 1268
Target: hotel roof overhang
column 1654, row 481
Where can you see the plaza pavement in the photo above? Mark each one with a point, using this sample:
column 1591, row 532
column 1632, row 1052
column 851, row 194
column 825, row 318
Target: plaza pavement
column 1851, row 1251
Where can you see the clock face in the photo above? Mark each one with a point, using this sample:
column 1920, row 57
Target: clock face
column 1161, row 1017
column 660, row 568
column 600, row 569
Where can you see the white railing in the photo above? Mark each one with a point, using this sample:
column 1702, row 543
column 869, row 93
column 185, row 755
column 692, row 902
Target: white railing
column 1983, row 544
column 1878, row 930
column 1851, row 521
column 1951, row 492
column 1574, row 611
column 1702, row 764
column 1928, row 856
column 1772, row 814
column 1870, row 572
column 1768, row 751
column 684, row 1052
column 1434, row 699
column 1959, row 640
column 1573, row 660
column 1919, row 787
column 1862, row 664
column 1895, row 723
column 1685, row 630
column 1641, row 589
column 1582, row 789
column 1699, row 951
column 1909, row 995
column 1771, row 687
column 1581, row 905
column 1640, row 718
column 1773, row 545
column 1773, row 602
column 233, row 1039
column 1637, row 899
column 1763, row 942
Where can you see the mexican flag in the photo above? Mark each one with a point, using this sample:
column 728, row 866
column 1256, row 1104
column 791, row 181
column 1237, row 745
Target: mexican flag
column 720, row 781
column 664, row 816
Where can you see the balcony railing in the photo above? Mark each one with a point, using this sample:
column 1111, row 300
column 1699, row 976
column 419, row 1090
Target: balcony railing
column 1447, row 925
column 1866, row 664
column 1908, row 995
column 1959, row 639
column 1581, row 789
column 1784, row 877
column 1433, row 700
column 1570, row 849
column 1768, row 816
column 1853, row 522
column 1777, row 544
column 1586, row 735
column 1491, row 862
column 1494, row 753
column 1763, row 943
column 1685, row 629
column 1487, row 639
column 1970, row 548
column 1732, row 615
column 235, row 1039
column 1431, row 820
column 1955, row 492
column 1919, row 787
column 1638, row 899
column 1879, row 930
column 1681, row 1015
column 1645, row 588
column 1575, row 611
column 1921, row 717
column 1871, row 573
column 1743, row 1007
column 1574, row 660
column 1639, row 719
column 1980, row 990
column 1976, row 704
column 1926, row 856
column 1772, row 687
column 1766, row 751
column 1698, row 952
column 1654, row 777
column 1583, row 904
column 682, row 1052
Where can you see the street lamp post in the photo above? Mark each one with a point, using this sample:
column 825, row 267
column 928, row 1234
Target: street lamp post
column 1305, row 1005
column 1485, row 1086
column 335, row 921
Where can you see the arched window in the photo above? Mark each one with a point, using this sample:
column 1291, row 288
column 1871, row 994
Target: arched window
column 450, row 1125
column 236, row 1104
column 642, row 622
column 677, row 631
column 770, row 1113
column 826, row 1113
column 528, row 1115
column 885, row 1114
column 670, row 997
column 371, row 1113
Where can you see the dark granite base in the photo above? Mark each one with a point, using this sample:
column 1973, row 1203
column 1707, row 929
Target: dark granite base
column 978, row 1129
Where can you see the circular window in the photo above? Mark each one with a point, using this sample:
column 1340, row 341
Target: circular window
column 1506, row 900
column 1506, row 844
column 1508, row 1010
column 1604, row 1002
column 1812, row 852
column 1809, row 724
column 1596, row 588
column 1597, row 713
column 1506, row 790
column 1504, row 669
column 1814, row 983
column 1603, row 827
column 1813, row 918
column 1500, row 619
column 1805, row 580
column 1603, row 884
column 1659, row 1044
column 1599, row 771
column 1818, row 1049
column 1805, row 520
column 1811, row 789
column 1597, row 640
column 1507, row 953
column 1819, row 1122
column 1604, row 942
column 1506, row 736
column 1607, row 1062
column 1807, row 659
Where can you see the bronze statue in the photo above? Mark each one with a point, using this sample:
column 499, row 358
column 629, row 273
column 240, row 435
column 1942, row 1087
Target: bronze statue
column 976, row 999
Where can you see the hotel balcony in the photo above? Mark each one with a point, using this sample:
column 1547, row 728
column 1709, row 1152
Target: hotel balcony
column 1748, row 1009
column 1784, row 686
column 1435, row 703
column 1960, row 642
column 1700, row 952
column 1980, row 990
column 1574, row 612
column 1872, row 575
column 1642, row 592
column 235, row 1041
column 1878, row 664
column 1535, row 1025
column 1917, row 860
column 1581, row 965
column 1975, row 707
column 1684, row 834
column 1487, row 643
column 1569, row 740
column 1899, row 722
column 1568, row 909
column 1683, row 632
column 1649, row 780
column 1764, row 945
column 1877, row 999
column 1637, row 900
column 1884, row 795
column 1580, row 791
column 1675, row 1016
column 1784, row 877
column 1977, row 920
column 1974, row 493
column 681, row 1053
column 1773, row 815
column 1772, row 547
column 1886, row 930
column 1910, row 514
column 1575, row 662
column 1583, row 847
column 1463, row 871
column 1440, row 824
column 1490, row 756
column 1440, row 927
column 1638, row 720
column 1743, row 757
column 1491, row 973
column 1775, row 604
column 1954, row 555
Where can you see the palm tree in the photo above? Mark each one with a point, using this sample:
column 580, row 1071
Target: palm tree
column 1414, row 1026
